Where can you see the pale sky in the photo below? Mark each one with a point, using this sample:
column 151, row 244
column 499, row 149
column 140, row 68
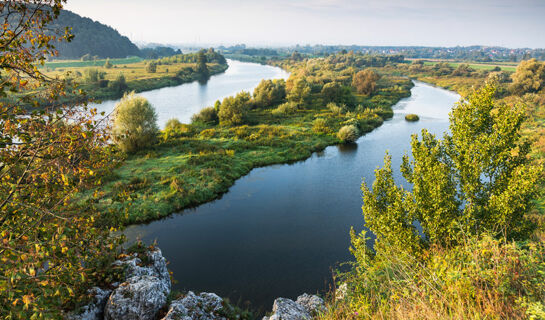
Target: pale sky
column 507, row 23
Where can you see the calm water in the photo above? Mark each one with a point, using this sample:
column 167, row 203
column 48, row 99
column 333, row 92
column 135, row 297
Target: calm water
column 280, row 229
column 183, row 101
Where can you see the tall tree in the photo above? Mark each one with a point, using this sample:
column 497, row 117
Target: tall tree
column 478, row 180
column 49, row 247
column 202, row 69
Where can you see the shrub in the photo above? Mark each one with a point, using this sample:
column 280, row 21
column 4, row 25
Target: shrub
column 269, row 93
column 207, row 115
column 320, row 126
column 300, row 92
column 108, row 64
column 348, row 133
column 335, row 109
column 174, row 128
column 335, row 92
column 529, row 77
column 365, row 81
column 233, row 110
column 285, row 108
column 135, row 123
column 151, row 67
column 412, row 117
column 119, row 85
column 92, row 75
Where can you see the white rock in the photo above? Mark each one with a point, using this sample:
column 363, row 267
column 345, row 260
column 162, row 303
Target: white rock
column 192, row 307
column 312, row 303
column 95, row 309
column 341, row 291
column 139, row 298
column 157, row 267
column 287, row 309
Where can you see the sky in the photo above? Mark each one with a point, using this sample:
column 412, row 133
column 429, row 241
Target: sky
column 507, row 23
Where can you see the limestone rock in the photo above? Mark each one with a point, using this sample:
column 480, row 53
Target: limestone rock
column 139, row 298
column 95, row 309
column 287, row 309
column 312, row 303
column 192, row 307
column 156, row 267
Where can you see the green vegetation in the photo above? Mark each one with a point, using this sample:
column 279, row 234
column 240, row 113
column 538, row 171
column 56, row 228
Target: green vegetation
column 412, row 117
column 91, row 37
column 280, row 122
column 466, row 241
column 135, row 124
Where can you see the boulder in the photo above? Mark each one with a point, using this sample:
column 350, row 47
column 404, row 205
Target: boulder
column 287, row 309
column 139, row 298
column 205, row 306
column 312, row 303
column 95, row 309
column 156, row 266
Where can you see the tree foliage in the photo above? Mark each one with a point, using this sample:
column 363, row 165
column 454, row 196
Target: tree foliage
column 202, row 69
column 269, row 93
column 529, row 77
column 365, row 81
column 300, row 92
column 135, row 123
column 337, row 93
column 233, row 110
column 477, row 180
column 50, row 249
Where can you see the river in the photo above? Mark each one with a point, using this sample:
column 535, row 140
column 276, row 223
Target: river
column 282, row 229
column 185, row 100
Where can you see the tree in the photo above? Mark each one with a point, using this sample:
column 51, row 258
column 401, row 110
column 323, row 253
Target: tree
column 50, row 248
column 348, row 134
column 335, row 92
column 270, row 92
column 300, row 92
column 477, row 180
column 135, row 123
column 365, row 81
column 108, row 64
column 202, row 69
column 529, row 77
column 233, row 110
column 119, row 84
column 151, row 67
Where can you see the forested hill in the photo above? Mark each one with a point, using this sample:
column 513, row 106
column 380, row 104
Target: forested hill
column 94, row 38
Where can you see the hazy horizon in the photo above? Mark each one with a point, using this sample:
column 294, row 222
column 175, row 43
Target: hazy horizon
column 512, row 24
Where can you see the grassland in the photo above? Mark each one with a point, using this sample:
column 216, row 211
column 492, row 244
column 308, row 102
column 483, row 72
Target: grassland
column 199, row 163
column 93, row 63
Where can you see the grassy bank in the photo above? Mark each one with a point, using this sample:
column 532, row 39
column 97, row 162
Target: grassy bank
column 197, row 163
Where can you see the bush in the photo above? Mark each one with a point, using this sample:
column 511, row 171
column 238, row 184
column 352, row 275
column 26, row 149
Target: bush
column 285, row 108
column 335, row 92
column 269, row 93
column 365, row 81
column 92, row 75
column 135, row 123
column 412, row 117
column 320, row 126
column 300, row 92
column 348, row 133
column 108, row 64
column 174, row 128
column 335, row 109
column 151, row 67
column 207, row 115
column 233, row 110
column 119, row 85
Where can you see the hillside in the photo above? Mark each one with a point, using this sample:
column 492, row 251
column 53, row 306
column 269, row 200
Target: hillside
column 94, row 38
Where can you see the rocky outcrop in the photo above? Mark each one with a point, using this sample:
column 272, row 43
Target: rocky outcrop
column 205, row 306
column 95, row 309
column 139, row 298
column 303, row 308
column 144, row 293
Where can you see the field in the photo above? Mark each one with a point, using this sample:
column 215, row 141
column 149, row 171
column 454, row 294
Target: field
column 479, row 66
column 94, row 63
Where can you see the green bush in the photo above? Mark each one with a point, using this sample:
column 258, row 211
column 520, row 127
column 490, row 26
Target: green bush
column 151, row 67
column 207, row 115
column 412, row 117
column 233, row 110
column 135, row 123
column 348, row 133
column 319, row 125
column 269, row 93
column 285, row 108
column 119, row 85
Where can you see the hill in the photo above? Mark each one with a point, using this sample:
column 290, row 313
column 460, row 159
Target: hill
column 94, row 38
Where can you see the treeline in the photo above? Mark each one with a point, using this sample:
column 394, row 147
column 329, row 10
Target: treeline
column 92, row 38
column 211, row 56
column 472, row 53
